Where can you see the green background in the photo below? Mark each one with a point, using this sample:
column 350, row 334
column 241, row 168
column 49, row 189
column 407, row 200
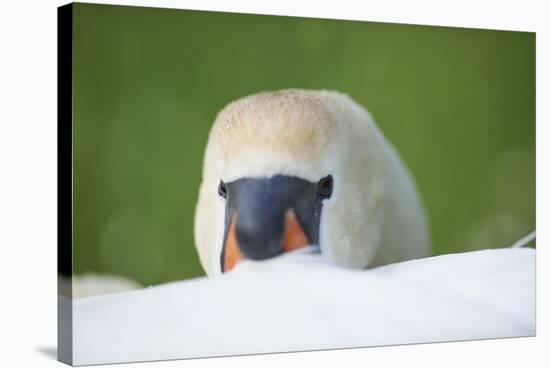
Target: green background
column 458, row 104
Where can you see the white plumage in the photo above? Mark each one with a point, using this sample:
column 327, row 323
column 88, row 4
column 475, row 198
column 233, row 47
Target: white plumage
column 299, row 301
column 302, row 300
column 375, row 215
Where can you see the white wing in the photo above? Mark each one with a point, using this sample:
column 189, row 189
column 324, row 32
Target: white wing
column 300, row 302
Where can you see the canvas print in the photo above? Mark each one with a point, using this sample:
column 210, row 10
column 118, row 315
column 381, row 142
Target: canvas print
column 236, row 184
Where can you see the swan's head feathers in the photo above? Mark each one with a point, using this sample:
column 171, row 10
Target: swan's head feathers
column 289, row 168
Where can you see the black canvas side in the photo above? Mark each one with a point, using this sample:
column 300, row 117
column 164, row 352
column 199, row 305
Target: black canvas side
column 64, row 183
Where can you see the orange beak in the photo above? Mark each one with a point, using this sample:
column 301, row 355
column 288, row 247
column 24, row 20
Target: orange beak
column 294, row 238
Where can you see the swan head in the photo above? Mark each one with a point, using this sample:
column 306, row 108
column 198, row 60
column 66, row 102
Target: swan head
column 287, row 169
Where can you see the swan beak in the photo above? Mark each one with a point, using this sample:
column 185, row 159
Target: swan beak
column 266, row 217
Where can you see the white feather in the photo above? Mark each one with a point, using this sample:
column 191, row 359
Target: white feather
column 301, row 302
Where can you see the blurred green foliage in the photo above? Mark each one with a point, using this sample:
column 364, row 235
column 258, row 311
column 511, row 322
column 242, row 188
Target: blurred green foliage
column 459, row 105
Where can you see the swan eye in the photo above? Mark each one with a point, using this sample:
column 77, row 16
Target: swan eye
column 324, row 189
column 222, row 190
